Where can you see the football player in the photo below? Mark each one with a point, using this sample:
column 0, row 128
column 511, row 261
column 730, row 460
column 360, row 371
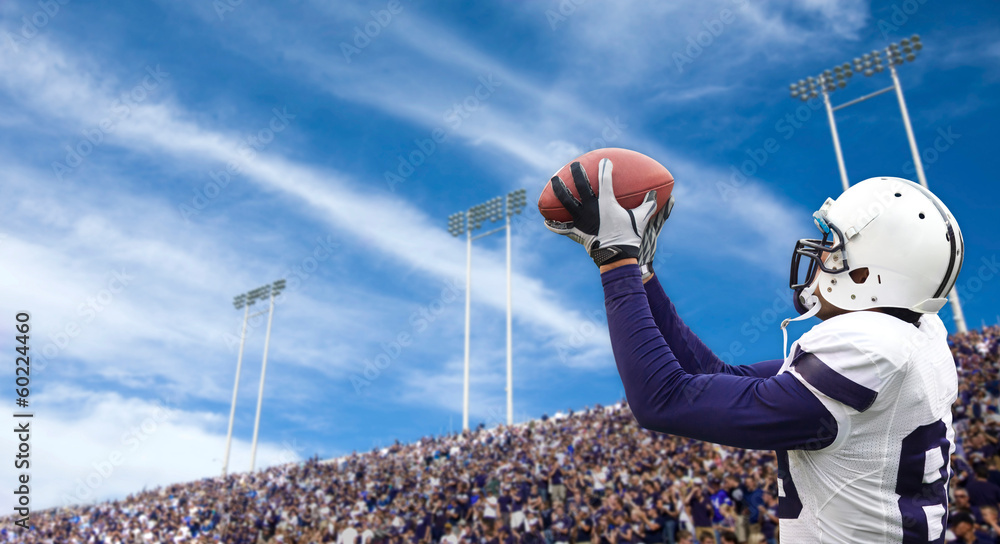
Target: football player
column 859, row 409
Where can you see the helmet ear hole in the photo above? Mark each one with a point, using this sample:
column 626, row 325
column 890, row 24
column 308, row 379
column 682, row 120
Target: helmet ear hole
column 859, row 275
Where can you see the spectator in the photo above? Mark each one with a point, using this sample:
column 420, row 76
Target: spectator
column 754, row 500
column 727, row 537
column 769, row 518
column 701, row 511
column 981, row 491
column 581, row 477
column 964, row 531
column 990, row 524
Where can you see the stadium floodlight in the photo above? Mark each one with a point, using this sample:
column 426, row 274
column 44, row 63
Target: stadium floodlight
column 465, row 223
column 515, row 203
column 272, row 291
column 869, row 64
column 240, row 302
column 824, row 84
column 243, row 302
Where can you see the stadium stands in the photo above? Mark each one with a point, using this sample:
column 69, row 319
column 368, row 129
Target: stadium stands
column 588, row 476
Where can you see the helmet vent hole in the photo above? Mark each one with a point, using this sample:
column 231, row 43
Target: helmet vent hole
column 898, row 195
column 879, row 279
column 921, row 215
column 859, row 275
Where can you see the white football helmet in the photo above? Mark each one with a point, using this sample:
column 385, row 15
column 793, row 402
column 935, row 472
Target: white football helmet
column 900, row 232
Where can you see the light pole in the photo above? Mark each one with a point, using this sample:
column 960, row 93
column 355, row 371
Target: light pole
column 274, row 290
column 243, row 301
column 516, row 201
column 239, row 301
column 870, row 64
column 464, row 223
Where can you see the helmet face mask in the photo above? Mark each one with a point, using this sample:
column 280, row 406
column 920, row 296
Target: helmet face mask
column 818, row 251
column 819, row 254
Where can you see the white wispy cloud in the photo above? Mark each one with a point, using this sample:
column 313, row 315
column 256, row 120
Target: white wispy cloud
column 90, row 446
column 45, row 80
column 558, row 124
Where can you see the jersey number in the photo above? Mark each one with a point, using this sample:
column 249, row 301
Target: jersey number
column 922, row 482
column 789, row 505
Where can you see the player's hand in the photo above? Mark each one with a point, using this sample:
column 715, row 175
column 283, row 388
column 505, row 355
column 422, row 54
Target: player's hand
column 607, row 231
column 647, row 250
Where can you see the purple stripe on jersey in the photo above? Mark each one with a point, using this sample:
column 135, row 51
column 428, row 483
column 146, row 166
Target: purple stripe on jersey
column 692, row 354
column 831, row 383
column 778, row 412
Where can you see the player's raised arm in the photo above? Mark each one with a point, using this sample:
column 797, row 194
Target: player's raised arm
column 750, row 412
column 743, row 411
column 692, row 354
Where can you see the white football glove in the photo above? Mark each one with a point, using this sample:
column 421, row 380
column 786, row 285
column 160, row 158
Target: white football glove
column 647, row 250
column 607, row 231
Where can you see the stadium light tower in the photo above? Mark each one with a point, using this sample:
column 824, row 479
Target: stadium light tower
column 239, row 302
column 464, row 223
column 271, row 292
column 243, row 301
column 870, row 64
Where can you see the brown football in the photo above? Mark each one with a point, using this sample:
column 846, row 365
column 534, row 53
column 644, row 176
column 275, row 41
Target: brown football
column 634, row 175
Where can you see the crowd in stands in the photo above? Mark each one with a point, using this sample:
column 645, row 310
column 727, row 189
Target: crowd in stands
column 590, row 476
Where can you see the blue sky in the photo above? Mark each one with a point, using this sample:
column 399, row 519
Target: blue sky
column 161, row 157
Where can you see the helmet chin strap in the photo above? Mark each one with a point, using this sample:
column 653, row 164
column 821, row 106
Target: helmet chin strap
column 812, row 302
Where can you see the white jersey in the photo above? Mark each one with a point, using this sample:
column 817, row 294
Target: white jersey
column 890, row 386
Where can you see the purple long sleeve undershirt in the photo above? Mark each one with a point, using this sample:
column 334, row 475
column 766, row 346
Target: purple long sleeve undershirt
column 692, row 354
column 746, row 411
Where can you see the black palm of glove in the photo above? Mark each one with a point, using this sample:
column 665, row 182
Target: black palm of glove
column 607, row 231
